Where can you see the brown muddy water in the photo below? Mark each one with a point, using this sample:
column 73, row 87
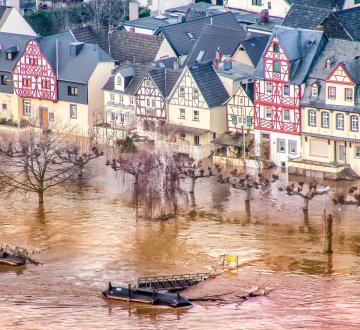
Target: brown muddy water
column 90, row 236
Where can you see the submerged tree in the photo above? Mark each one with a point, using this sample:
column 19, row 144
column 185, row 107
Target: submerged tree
column 37, row 161
column 196, row 170
column 313, row 190
column 350, row 197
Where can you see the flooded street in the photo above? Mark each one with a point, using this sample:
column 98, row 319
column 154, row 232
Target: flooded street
column 90, row 235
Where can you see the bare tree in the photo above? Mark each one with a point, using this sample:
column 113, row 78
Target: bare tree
column 246, row 182
column 350, row 197
column 196, row 170
column 36, row 161
column 313, row 190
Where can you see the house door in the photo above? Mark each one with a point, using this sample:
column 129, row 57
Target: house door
column 196, row 140
column 43, row 117
column 341, row 155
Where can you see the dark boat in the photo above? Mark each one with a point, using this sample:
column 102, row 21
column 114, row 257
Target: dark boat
column 145, row 296
column 11, row 259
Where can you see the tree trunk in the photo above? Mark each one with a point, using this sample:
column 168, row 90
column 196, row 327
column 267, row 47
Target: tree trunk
column 136, row 178
column 306, row 205
column 41, row 196
column 328, row 233
column 247, row 197
column 192, row 187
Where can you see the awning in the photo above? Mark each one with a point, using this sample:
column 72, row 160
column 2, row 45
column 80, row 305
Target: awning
column 234, row 139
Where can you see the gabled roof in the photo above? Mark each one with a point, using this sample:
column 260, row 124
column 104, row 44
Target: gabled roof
column 139, row 69
column 124, row 46
column 350, row 20
column 301, row 48
column 305, row 16
column 182, row 36
column 209, row 84
column 340, row 51
column 213, row 37
column 165, row 79
column 254, row 47
column 8, row 41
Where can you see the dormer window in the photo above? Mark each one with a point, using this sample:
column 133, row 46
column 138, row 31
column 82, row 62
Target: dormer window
column 276, row 48
column 327, row 63
column 314, row 91
column 118, row 81
column 9, row 56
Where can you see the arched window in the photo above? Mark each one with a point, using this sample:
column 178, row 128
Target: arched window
column 276, row 48
column 276, row 68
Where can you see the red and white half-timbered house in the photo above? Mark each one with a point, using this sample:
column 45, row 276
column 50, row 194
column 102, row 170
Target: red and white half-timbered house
column 279, row 83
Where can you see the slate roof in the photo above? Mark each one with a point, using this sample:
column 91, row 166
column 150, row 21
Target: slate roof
column 124, row 46
column 56, row 49
column 200, row 6
column 140, row 71
column 301, row 47
column 214, row 37
column 165, row 79
column 209, row 84
column 329, row 4
column 178, row 34
column 350, row 20
column 150, row 22
column 339, row 51
column 305, row 16
column 9, row 40
column 254, row 47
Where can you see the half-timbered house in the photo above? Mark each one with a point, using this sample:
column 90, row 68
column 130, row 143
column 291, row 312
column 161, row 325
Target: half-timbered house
column 278, row 82
column 55, row 80
column 151, row 98
column 331, row 114
column 196, row 107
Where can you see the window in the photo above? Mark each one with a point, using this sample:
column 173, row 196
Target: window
column 339, row 121
column 196, row 140
column 147, row 83
column 256, row 2
column 234, row 119
column 214, row 135
column 51, row 116
column 131, row 100
column 73, row 91
column 269, row 5
column 73, row 111
column 112, row 116
column 268, row 112
column 182, row 136
column 45, row 84
column 325, row 119
column 354, row 123
column 292, row 147
column 182, row 113
column 153, row 102
column 4, row 106
column 27, row 108
column 314, row 91
column 276, row 48
column 327, row 63
column 348, row 94
column 118, row 81
column 268, row 87
column 122, row 118
column 4, row 79
column 112, row 97
column 276, row 67
column 312, row 118
column 286, row 90
column 182, row 92
column 332, row 93
column 286, row 115
column 357, row 152
column 26, row 82
column 195, row 93
column 280, row 145
column 149, row 2
column 195, row 114
column 121, row 98
column 147, row 102
column 9, row 56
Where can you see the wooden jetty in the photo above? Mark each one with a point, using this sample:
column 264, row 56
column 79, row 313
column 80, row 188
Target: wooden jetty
column 145, row 296
column 15, row 255
column 172, row 283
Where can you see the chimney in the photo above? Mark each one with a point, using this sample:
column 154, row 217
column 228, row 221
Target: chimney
column 176, row 64
column 217, row 59
column 133, row 10
column 264, row 16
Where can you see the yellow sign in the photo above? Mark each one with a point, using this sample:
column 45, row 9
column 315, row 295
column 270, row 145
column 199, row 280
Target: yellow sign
column 230, row 258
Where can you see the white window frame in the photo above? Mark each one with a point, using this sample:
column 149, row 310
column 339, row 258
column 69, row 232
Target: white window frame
column 121, row 98
column 196, row 115
column 27, row 107
column 73, row 111
column 348, row 98
column 279, row 143
column 354, row 123
column 357, row 151
column 288, row 90
column 182, row 113
column 340, row 121
column 314, row 91
column 286, row 111
column 268, row 115
column 312, row 117
column 268, row 87
column 325, row 116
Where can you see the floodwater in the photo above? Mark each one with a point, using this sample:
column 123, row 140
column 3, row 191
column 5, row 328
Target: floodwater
column 89, row 235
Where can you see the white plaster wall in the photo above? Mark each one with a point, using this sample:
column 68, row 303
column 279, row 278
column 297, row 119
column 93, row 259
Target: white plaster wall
column 279, row 8
column 15, row 23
